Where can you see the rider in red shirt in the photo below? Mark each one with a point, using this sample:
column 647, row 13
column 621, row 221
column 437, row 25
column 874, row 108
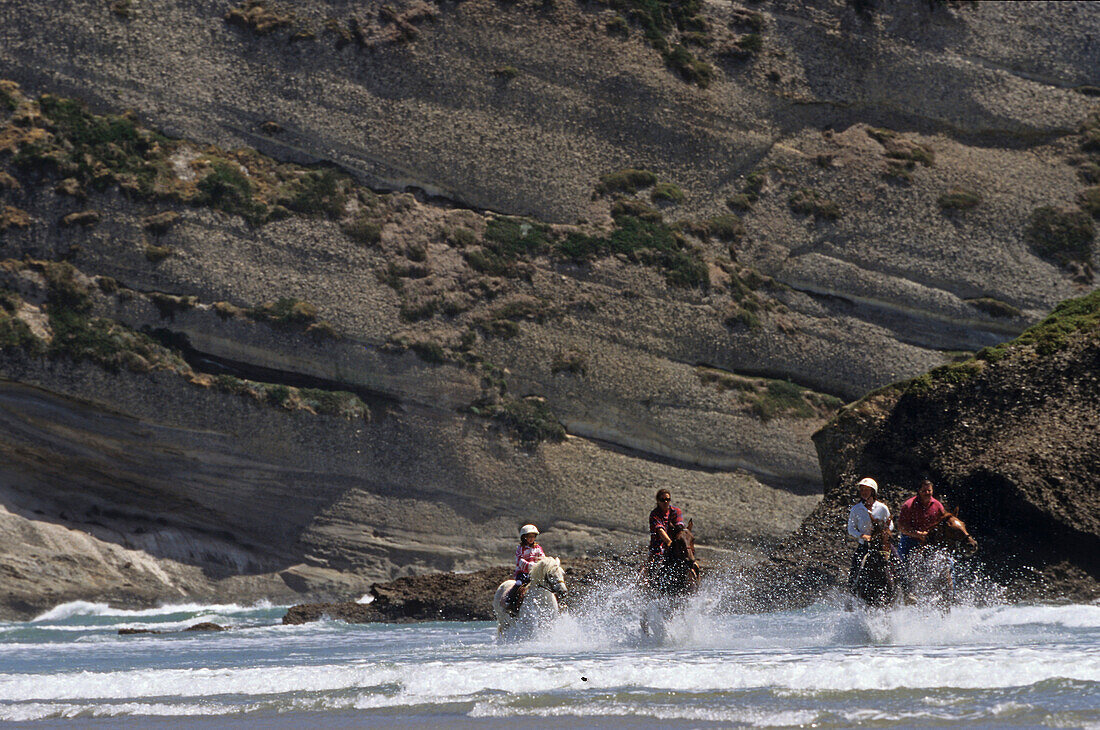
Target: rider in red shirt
column 918, row 515
column 661, row 521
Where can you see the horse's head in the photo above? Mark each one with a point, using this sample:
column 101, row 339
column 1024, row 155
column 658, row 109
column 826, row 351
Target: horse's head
column 880, row 534
column 683, row 543
column 951, row 532
column 549, row 574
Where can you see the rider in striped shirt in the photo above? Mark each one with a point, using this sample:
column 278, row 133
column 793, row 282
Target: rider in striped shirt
column 528, row 552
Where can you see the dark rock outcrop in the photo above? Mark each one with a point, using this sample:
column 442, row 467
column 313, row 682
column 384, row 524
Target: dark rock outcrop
column 1010, row 438
column 435, row 597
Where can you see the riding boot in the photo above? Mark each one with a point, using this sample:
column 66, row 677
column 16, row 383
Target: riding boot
column 515, row 597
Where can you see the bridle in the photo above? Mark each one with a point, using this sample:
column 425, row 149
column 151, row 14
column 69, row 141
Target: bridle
column 552, row 583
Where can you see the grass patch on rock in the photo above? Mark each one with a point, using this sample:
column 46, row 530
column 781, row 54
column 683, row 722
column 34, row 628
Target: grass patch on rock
column 995, row 307
column 641, row 241
column 768, row 398
column 662, row 22
column 629, row 180
column 530, row 420
column 667, row 193
column 1060, row 234
column 959, row 199
column 260, row 17
column 809, row 202
column 1069, row 319
column 1089, row 200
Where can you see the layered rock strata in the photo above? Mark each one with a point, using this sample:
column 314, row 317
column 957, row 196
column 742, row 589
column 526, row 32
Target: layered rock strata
column 827, row 201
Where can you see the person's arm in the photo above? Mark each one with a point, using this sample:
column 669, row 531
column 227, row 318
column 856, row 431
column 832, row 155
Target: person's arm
column 665, row 539
column 907, row 527
column 526, row 563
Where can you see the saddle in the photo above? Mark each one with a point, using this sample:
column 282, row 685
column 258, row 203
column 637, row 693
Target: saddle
column 514, row 598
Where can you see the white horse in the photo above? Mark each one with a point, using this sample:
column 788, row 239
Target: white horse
column 541, row 603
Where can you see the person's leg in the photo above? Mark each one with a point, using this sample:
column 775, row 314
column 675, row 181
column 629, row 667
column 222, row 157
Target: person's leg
column 905, row 544
column 515, row 595
column 853, row 572
column 901, row 570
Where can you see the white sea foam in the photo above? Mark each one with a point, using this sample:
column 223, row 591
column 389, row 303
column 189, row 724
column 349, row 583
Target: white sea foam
column 790, row 665
column 431, row 681
column 85, row 608
column 736, row 715
column 29, row 711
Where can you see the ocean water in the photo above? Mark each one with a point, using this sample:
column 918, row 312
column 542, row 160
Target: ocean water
column 979, row 665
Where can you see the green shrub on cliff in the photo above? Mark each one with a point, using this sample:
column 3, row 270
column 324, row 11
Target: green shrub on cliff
column 691, row 68
column 1060, row 234
column 667, row 193
column 782, row 398
column 810, row 202
column 959, row 199
column 333, row 402
column 626, row 181
column 512, row 238
column 95, row 150
column 1068, row 319
column 645, row 242
column 954, row 373
column 316, row 192
column 995, row 307
column 286, row 310
column 529, row 419
column 727, row 228
column 659, row 19
column 227, row 189
column 1089, row 198
column 8, row 100
column 363, row 229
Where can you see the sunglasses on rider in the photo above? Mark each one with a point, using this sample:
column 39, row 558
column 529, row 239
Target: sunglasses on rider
column 664, row 499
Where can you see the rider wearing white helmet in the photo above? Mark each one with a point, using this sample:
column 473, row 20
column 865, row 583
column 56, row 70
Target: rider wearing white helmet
column 528, row 553
column 862, row 519
column 861, row 522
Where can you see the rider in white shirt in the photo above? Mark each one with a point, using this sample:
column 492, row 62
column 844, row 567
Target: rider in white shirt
column 860, row 516
column 861, row 519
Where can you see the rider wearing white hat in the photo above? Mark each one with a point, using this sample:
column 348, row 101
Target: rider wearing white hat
column 861, row 522
column 528, row 553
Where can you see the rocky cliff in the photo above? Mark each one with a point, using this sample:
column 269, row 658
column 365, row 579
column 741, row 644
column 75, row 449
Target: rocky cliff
column 1011, row 440
column 300, row 297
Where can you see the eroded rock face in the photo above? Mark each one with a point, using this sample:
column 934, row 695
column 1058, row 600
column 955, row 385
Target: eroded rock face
column 884, row 169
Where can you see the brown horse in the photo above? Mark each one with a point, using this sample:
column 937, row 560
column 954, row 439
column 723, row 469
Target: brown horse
column 670, row 580
column 931, row 565
column 876, row 581
column 950, row 532
column 677, row 573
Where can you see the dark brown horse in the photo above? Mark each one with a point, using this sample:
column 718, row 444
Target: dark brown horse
column 877, row 581
column 670, row 580
column 677, row 573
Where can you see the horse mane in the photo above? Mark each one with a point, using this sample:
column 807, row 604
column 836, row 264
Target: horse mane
column 542, row 567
